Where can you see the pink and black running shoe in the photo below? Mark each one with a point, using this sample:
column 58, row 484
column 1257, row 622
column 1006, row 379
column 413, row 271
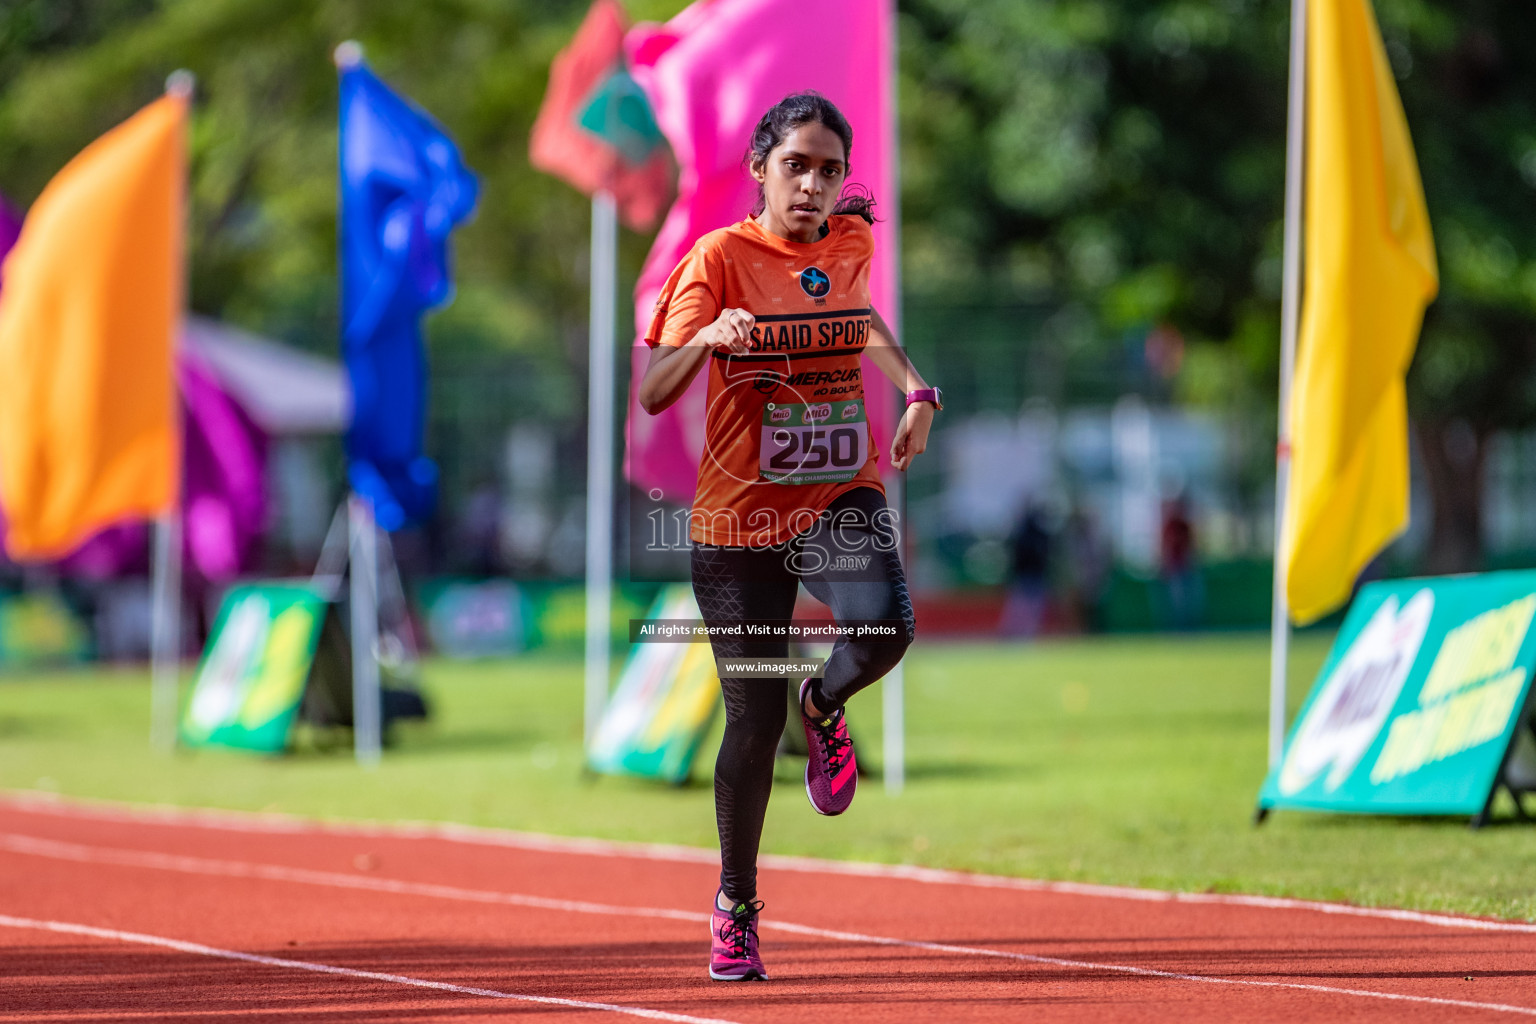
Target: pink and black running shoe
column 832, row 773
column 733, row 943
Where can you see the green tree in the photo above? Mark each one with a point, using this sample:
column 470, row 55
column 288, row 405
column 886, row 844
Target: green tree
column 1122, row 157
column 1468, row 81
column 1128, row 159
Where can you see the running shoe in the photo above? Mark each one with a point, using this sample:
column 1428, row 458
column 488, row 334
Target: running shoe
column 831, row 772
column 733, row 943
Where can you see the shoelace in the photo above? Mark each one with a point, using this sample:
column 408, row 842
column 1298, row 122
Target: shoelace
column 835, row 747
column 739, row 931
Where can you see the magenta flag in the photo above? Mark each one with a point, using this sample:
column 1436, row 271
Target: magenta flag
column 710, row 73
column 225, row 504
column 10, row 230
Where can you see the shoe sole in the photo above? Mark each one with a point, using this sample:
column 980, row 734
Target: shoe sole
column 749, row 976
column 818, row 810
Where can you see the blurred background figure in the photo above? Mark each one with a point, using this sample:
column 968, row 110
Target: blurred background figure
column 1176, row 563
column 1086, row 566
column 479, row 534
column 1029, row 590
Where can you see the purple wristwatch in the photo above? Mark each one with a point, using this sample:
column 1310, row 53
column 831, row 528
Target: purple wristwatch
column 926, row 395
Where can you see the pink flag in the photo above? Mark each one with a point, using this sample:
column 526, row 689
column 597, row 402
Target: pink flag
column 710, row 73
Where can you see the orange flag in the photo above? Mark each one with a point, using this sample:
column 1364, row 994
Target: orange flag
column 89, row 432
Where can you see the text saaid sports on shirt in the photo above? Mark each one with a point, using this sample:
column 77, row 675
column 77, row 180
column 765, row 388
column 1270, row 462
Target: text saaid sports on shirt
column 786, row 430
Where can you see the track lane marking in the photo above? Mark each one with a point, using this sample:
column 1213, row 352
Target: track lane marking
column 180, row 946
column 265, row 823
column 81, row 853
column 1151, row 972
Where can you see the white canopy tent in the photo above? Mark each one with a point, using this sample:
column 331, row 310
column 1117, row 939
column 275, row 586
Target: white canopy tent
column 285, row 390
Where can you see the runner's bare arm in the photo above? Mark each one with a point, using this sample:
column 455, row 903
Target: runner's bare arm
column 911, row 437
column 672, row 368
column 890, row 356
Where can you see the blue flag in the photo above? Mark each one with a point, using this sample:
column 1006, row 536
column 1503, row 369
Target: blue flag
column 404, row 187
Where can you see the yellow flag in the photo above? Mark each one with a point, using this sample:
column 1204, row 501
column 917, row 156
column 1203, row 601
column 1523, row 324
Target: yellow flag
column 89, row 430
column 1369, row 272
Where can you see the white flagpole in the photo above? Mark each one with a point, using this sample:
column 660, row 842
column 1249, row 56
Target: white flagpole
column 600, row 377
column 1290, row 306
column 363, row 562
column 165, row 632
column 893, row 688
column 165, row 589
column 367, row 728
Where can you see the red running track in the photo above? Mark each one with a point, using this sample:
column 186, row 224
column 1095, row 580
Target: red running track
column 112, row 913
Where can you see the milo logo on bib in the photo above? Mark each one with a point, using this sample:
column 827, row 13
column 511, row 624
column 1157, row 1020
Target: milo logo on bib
column 813, row 443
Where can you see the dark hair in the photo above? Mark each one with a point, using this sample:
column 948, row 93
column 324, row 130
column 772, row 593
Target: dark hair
column 796, row 111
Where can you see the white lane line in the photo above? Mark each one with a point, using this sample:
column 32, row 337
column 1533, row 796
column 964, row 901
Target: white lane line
column 1148, row 972
column 68, row 928
column 82, row 854
column 56, row 849
column 281, row 824
column 939, row 876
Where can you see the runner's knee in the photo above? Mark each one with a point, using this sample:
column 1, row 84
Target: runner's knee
column 880, row 656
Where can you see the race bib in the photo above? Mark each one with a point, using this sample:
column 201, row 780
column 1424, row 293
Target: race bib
column 813, row 442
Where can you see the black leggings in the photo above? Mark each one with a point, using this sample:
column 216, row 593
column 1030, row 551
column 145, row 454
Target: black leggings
column 736, row 584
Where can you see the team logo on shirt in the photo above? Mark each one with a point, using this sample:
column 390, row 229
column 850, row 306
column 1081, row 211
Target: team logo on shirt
column 767, row 382
column 815, row 282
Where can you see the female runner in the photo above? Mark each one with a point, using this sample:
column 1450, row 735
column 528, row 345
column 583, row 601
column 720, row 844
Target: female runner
column 777, row 306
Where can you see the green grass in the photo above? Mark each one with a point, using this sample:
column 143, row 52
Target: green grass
column 1129, row 761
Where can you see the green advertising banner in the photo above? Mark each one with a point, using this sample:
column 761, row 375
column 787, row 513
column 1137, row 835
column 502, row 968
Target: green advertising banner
column 251, row 681
column 663, row 705
column 1418, row 703
column 40, row 629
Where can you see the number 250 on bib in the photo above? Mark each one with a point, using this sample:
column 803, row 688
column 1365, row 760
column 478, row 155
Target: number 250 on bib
column 813, row 442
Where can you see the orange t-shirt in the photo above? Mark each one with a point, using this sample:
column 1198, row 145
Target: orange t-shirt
column 786, row 430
